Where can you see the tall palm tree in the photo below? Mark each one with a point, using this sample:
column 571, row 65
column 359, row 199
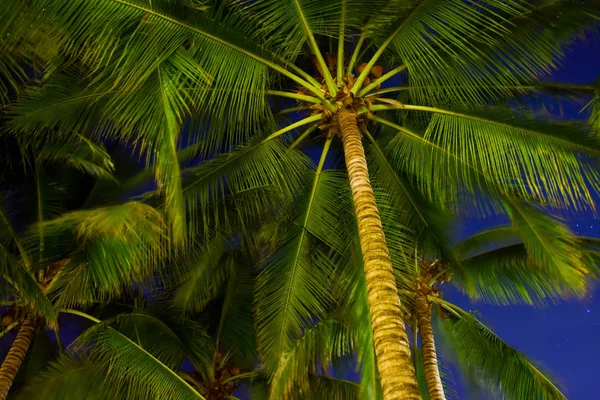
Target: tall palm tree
column 147, row 69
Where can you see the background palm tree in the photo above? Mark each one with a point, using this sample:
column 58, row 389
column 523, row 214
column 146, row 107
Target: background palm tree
column 498, row 267
column 145, row 70
column 57, row 252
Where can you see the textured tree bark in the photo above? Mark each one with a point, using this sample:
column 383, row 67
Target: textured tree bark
column 392, row 348
column 15, row 356
column 432, row 372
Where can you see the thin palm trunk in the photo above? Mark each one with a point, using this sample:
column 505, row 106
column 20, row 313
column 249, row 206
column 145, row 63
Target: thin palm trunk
column 15, row 356
column 398, row 378
column 430, row 364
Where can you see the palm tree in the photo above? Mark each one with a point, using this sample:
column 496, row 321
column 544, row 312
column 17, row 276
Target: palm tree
column 138, row 349
column 141, row 71
column 57, row 250
column 497, row 265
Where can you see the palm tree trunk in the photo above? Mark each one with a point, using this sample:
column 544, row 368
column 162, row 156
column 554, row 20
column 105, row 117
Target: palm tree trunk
column 15, row 356
column 430, row 364
column 396, row 370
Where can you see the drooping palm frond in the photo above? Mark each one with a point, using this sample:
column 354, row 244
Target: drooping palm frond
column 110, row 247
column 27, row 44
column 143, row 374
column 513, row 155
column 315, row 351
column 204, row 277
column 167, row 336
column 481, row 352
column 258, row 164
column 456, row 51
column 162, row 30
column 71, row 378
column 550, row 243
column 236, row 330
column 422, row 218
column 594, row 107
column 498, row 268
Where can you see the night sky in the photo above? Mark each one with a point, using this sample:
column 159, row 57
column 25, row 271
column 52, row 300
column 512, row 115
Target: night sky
column 562, row 338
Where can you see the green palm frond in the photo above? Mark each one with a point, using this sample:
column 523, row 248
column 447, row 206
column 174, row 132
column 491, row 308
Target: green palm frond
column 594, row 107
column 481, row 352
column 111, row 221
column 294, row 283
column 315, row 351
column 74, row 378
column 422, row 218
column 31, row 296
column 26, row 39
column 110, row 247
column 143, row 374
column 258, row 164
column 16, row 271
column 155, row 31
column 549, row 243
column 498, row 268
column 167, row 336
column 206, row 271
column 80, row 153
column 507, row 153
column 236, row 329
column 451, row 48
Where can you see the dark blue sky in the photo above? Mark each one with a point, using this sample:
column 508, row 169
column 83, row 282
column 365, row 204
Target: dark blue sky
column 562, row 338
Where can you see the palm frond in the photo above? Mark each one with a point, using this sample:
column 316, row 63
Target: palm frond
column 549, row 243
column 80, row 153
column 206, row 271
column 26, row 39
column 422, row 218
column 116, row 245
column 236, row 329
column 314, row 351
column 143, row 374
column 258, row 164
column 167, row 336
column 497, row 267
column 73, row 378
column 144, row 34
column 453, row 49
column 292, row 289
column 514, row 154
column 502, row 367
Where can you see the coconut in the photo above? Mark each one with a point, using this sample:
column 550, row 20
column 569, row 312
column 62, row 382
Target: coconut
column 377, row 71
column 7, row 320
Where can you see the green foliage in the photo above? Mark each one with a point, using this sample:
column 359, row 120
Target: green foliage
column 534, row 261
column 481, row 352
column 240, row 235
